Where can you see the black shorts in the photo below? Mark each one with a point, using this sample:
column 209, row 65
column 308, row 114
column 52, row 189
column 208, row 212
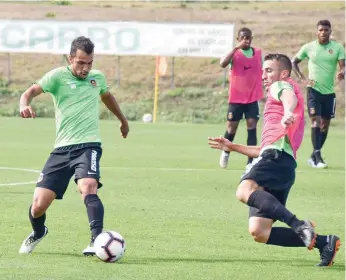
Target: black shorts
column 320, row 104
column 81, row 160
column 275, row 172
column 237, row 110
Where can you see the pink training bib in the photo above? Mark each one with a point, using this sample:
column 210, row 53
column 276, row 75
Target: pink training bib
column 273, row 113
column 245, row 78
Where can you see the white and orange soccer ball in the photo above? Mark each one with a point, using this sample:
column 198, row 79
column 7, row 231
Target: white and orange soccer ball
column 109, row 246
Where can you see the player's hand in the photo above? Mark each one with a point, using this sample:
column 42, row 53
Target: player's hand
column 288, row 119
column 340, row 75
column 27, row 112
column 307, row 83
column 124, row 128
column 220, row 143
column 241, row 44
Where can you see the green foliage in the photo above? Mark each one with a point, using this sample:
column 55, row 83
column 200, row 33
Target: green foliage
column 50, row 15
column 7, row 90
column 3, row 86
column 63, row 2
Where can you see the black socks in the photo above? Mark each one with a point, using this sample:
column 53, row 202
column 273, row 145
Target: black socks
column 95, row 212
column 251, row 140
column 267, row 203
column 37, row 224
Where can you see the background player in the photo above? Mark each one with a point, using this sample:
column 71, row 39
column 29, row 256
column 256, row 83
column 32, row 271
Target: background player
column 245, row 90
column 324, row 54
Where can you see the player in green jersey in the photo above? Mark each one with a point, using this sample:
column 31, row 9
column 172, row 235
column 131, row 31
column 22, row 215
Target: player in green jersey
column 75, row 90
column 324, row 55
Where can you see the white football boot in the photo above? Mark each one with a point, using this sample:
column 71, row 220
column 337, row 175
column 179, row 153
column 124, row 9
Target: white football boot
column 224, row 159
column 31, row 242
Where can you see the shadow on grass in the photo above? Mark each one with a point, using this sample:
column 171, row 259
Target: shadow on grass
column 160, row 260
column 62, row 254
column 290, row 262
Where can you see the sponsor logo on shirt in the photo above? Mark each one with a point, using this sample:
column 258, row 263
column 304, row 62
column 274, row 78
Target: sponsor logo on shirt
column 247, row 67
column 93, row 82
column 330, row 51
column 72, row 85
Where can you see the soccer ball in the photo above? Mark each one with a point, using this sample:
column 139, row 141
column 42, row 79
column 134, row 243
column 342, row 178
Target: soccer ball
column 109, row 246
column 147, row 118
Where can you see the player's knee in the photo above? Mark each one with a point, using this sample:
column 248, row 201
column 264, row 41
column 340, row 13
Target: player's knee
column 251, row 124
column 39, row 207
column 315, row 121
column 258, row 234
column 245, row 189
column 232, row 129
column 87, row 186
column 324, row 126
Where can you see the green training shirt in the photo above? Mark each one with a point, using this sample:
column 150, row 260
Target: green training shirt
column 323, row 60
column 76, row 103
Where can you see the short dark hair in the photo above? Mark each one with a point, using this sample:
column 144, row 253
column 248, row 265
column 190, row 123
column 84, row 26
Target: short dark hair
column 284, row 61
column 82, row 43
column 324, row 22
column 244, row 29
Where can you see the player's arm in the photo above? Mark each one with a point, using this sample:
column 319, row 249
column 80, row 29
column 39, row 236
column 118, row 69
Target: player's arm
column 341, row 74
column 25, row 109
column 250, row 151
column 296, row 70
column 225, row 61
column 300, row 56
column 111, row 103
column 289, row 101
column 224, row 144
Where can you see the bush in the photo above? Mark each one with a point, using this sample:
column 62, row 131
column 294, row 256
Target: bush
column 63, row 2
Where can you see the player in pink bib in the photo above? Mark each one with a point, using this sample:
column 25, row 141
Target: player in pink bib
column 265, row 187
column 245, row 90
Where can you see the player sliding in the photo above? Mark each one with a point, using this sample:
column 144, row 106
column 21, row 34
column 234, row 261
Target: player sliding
column 265, row 187
column 75, row 90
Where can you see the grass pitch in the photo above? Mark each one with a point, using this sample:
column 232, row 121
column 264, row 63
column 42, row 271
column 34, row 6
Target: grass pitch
column 164, row 192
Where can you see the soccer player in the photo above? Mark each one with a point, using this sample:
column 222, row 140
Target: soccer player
column 245, row 90
column 75, row 90
column 324, row 54
column 266, row 186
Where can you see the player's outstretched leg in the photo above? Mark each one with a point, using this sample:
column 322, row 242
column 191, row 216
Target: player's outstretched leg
column 95, row 212
column 38, row 233
column 43, row 198
column 328, row 246
column 249, row 193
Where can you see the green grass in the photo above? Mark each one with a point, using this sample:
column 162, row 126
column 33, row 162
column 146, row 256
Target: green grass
column 163, row 191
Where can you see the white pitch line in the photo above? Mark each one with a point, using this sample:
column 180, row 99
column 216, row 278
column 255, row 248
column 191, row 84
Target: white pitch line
column 18, row 184
column 210, row 169
column 19, row 169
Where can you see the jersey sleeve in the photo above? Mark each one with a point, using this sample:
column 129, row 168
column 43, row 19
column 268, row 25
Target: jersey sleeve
column 49, row 82
column 341, row 54
column 277, row 88
column 303, row 52
column 103, row 84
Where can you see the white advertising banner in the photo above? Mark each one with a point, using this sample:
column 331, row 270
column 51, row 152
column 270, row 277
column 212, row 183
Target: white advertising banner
column 117, row 38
